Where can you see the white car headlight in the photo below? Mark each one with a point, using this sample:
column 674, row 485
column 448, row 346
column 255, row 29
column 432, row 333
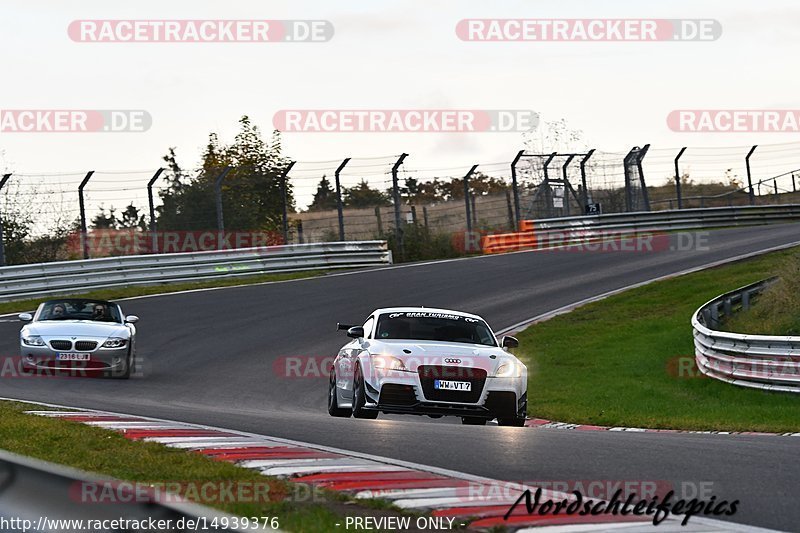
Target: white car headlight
column 115, row 342
column 509, row 369
column 388, row 362
column 33, row 340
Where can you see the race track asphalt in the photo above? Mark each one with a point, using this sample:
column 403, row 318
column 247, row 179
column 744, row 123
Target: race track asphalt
column 216, row 357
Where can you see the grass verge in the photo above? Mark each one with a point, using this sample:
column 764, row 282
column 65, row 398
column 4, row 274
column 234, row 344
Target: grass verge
column 298, row 507
column 629, row 361
column 128, row 292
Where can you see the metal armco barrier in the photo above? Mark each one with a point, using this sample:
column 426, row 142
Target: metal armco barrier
column 47, row 496
column 585, row 229
column 67, row 277
column 757, row 361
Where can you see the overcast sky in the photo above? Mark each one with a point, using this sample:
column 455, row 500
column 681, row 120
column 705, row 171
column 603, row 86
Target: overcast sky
column 387, row 55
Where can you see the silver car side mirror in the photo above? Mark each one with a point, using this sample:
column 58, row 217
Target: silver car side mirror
column 25, row 317
column 131, row 319
column 509, row 342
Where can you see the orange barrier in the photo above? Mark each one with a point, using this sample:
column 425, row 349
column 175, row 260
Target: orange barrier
column 526, row 225
column 508, row 242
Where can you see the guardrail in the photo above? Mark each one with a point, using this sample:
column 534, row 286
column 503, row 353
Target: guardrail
column 38, row 495
column 583, row 229
column 757, row 361
column 66, row 277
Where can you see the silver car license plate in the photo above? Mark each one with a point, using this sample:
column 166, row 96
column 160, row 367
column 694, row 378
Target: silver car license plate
column 443, row 384
column 73, row 356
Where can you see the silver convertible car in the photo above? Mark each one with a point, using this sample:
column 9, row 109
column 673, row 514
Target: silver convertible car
column 433, row 362
column 79, row 334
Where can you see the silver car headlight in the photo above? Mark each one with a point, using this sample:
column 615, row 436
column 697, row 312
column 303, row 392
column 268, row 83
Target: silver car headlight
column 509, row 369
column 387, row 362
column 33, row 340
column 115, row 342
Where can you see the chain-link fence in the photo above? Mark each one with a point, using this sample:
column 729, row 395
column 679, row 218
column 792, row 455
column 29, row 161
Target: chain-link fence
column 60, row 216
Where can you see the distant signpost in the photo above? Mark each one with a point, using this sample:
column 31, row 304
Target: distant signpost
column 594, row 209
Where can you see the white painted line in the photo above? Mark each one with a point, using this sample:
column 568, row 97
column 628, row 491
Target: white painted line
column 449, row 501
column 232, row 443
column 438, row 492
column 134, row 425
column 175, row 440
column 317, row 469
column 244, row 443
column 266, row 463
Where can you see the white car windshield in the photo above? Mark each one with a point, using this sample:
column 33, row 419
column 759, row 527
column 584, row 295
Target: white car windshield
column 73, row 309
column 432, row 326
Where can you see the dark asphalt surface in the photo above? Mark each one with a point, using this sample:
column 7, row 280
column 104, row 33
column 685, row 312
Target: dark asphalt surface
column 215, row 357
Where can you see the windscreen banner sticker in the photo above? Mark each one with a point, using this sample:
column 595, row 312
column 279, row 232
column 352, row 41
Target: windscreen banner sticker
column 418, row 314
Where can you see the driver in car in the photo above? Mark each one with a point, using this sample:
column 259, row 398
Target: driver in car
column 99, row 312
column 57, row 311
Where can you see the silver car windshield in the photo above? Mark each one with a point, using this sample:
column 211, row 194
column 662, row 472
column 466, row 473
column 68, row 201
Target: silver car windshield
column 430, row 326
column 73, row 309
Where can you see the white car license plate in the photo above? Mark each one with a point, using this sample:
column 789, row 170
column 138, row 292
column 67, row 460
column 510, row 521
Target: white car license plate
column 443, row 384
column 73, row 356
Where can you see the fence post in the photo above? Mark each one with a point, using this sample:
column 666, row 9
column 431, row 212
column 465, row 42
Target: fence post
column 626, row 162
column 398, row 228
column 300, row 232
column 474, row 211
column 425, row 215
column 339, row 207
column 775, row 186
column 510, row 211
column 548, row 198
column 285, row 200
column 3, row 181
column 414, row 215
column 749, row 176
column 378, row 218
column 466, row 199
column 794, row 185
column 639, row 158
column 583, row 177
column 678, row 178
column 218, row 197
column 515, row 186
column 81, row 204
column 565, row 179
column 153, row 227
column 638, row 154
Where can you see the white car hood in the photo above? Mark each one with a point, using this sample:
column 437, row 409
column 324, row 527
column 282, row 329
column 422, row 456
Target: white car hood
column 77, row 328
column 441, row 353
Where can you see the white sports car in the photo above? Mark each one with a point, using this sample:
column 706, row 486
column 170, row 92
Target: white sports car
column 431, row 362
column 79, row 335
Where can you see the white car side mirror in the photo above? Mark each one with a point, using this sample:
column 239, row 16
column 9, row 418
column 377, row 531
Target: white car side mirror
column 25, row 317
column 131, row 319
